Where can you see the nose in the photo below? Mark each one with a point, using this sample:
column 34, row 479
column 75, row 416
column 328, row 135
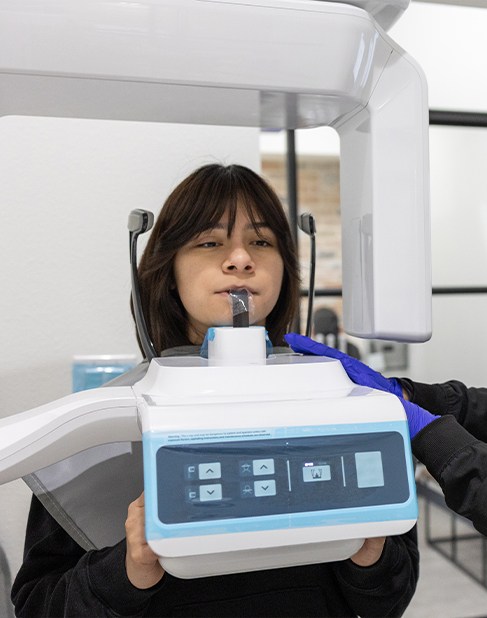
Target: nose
column 238, row 260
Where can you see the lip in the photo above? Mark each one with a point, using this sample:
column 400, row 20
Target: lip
column 232, row 288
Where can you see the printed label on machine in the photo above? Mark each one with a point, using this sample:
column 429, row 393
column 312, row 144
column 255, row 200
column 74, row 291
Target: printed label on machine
column 249, row 478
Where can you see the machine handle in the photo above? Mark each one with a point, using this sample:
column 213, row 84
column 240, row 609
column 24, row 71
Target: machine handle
column 47, row 434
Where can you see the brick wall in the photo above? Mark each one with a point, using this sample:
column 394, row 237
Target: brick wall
column 318, row 186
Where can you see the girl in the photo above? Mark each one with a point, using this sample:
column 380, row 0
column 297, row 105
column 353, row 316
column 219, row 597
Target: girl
column 223, row 228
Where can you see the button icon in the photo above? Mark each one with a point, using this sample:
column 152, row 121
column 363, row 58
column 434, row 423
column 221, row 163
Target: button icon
column 190, row 472
column 245, row 468
column 209, row 471
column 247, row 490
column 210, row 492
column 265, row 488
column 263, row 467
column 192, row 494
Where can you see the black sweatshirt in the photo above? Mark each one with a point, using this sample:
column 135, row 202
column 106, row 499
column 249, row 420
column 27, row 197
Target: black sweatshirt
column 59, row 578
column 453, row 447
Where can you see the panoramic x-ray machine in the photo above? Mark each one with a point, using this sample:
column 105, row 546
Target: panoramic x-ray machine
column 251, row 461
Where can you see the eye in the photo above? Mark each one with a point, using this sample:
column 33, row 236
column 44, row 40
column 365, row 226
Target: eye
column 261, row 242
column 208, row 244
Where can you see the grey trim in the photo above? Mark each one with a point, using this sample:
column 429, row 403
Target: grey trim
column 6, row 608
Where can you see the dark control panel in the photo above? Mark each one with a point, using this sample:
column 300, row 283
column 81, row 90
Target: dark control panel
column 251, row 478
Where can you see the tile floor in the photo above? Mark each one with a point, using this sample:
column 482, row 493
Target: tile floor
column 443, row 589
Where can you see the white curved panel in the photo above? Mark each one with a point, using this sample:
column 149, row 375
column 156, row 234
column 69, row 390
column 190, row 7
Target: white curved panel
column 272, row 64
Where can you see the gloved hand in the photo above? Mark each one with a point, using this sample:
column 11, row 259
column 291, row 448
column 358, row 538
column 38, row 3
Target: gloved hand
column 357, row 371
column 417, row 417
column 361, row 374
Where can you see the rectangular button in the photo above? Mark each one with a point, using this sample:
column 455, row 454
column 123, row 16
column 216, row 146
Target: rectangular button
column 369, row 469
column 316, row 472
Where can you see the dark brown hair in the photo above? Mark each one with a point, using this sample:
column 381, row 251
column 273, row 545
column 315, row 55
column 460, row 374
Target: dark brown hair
column 195, row 205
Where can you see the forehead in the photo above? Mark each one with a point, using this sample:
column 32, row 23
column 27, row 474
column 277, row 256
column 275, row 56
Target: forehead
column 241, row 216
column 236, row 215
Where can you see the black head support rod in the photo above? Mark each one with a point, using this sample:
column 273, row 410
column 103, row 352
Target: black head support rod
column 139, row 222
column 308, row 226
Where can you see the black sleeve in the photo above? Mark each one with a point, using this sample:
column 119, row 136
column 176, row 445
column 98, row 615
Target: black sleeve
column 387, row 587
column 467, row 405
column 59, row 578
column 458, row 461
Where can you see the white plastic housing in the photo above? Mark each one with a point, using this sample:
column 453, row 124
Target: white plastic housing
column 289, row 64
column 187, row 395
column 185, row 400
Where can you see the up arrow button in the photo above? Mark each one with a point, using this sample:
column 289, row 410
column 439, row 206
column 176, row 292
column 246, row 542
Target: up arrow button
column 210, row 470
column 263, row 467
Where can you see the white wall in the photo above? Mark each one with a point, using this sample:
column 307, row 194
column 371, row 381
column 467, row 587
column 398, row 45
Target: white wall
column 66, row 189
column 449, row 43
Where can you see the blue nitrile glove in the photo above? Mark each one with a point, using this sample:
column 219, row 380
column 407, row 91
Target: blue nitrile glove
column 417, row 417
column 361, row 374
column 357, row 371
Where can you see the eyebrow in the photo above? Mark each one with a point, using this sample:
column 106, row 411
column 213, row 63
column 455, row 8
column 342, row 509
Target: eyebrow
column 249, row 226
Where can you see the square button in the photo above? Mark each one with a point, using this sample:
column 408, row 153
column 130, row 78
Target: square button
column 211, row 470
column 263, row 467
column 210, row 492
column 264, row 488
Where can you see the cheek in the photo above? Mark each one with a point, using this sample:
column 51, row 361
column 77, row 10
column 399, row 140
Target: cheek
column 178, row 281
column 182, row 280
column 275, row 276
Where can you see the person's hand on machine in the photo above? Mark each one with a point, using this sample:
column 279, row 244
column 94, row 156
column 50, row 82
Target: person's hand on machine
column 362, row 374
column 357, row 371
column 141, row 563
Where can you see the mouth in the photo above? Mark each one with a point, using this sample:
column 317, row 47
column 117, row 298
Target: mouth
column 235, row 289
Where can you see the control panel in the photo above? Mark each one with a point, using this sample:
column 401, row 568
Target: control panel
column 252, row 478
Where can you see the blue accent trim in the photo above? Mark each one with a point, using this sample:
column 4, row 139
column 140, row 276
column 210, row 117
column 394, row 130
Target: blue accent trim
column 210, row 335
column 156, row 530
column 268, row 344
column 264, row 433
